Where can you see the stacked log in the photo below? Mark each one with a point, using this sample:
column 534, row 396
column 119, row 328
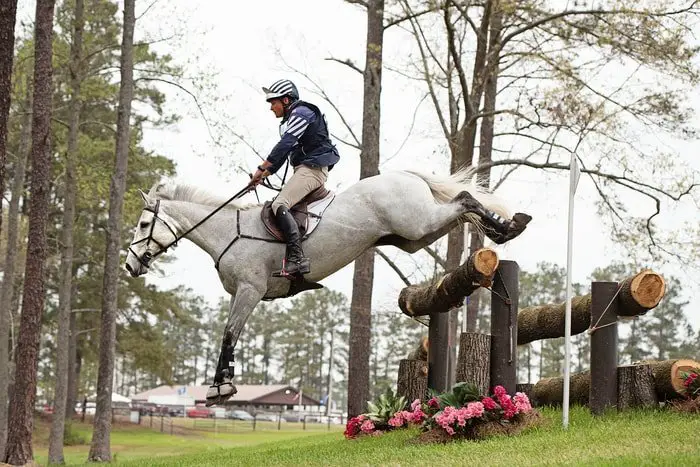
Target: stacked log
column 666, row 376
column 451, row 289
column 638, row 294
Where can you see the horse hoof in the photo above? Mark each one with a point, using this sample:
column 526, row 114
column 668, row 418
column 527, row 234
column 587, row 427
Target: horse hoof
column 218, row 394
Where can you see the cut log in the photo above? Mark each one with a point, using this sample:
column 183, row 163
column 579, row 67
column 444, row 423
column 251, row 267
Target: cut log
column 412, row 380
column 638, row 294
column 450, row 291
column 474, row 361
column 668, row 380
column 550, row 391
column 635, row 387
column 668, row 383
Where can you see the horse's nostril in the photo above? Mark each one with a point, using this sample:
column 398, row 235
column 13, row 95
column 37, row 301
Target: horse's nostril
column 128, row 268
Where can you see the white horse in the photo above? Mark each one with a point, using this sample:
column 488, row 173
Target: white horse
column 405, row 209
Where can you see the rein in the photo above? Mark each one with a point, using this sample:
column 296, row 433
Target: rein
column 148, row 256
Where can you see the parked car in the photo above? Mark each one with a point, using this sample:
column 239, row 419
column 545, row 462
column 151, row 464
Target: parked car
column 268, row 417
column 240, row 415
column 199, row 411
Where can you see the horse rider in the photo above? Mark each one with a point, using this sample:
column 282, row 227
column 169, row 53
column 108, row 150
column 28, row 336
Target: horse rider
column 304, row 140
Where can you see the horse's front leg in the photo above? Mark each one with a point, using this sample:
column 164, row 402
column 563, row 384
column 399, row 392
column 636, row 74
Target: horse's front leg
column 242, row 305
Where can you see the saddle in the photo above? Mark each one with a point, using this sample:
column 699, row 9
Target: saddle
column 307, row 213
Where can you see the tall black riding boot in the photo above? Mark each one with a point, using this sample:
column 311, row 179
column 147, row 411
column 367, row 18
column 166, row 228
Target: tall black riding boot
column 294, row 264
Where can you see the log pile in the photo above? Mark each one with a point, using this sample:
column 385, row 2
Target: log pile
column 451, row 289
column 634, row 383
column 638, row 294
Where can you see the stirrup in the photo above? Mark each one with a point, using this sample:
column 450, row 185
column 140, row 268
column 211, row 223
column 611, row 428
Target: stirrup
column 296, row 275
column 213, row 399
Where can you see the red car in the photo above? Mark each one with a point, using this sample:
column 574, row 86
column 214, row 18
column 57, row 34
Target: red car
column 199, row 411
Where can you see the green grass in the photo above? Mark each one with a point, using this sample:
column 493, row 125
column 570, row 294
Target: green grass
column 626, row 439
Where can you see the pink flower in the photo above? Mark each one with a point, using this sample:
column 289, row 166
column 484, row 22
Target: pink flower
column 396, row 421
column 509, row 408
column 450, row 431
column 489, row 404
column 522, row 403
column 367, row 426
column 475, row 409
column 690, row 379
column 499, row 391
column 433, row 403
column 415, row 405
column 417, row 415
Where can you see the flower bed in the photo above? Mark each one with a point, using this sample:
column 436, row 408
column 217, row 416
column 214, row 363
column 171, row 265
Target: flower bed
column 691, row 382
column 461, row 413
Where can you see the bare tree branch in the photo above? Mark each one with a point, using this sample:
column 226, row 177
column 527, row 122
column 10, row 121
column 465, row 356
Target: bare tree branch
column 393, row 266
column 358, row 2
column 438, row 259
column 347, row 62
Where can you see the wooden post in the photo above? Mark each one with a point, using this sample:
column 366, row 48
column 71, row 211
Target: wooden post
column 438, row 353
column 504, row 326
column 412, row 382
column 603, row 393
column 474, row 361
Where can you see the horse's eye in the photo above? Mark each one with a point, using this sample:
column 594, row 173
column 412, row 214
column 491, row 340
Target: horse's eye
column 144, row 224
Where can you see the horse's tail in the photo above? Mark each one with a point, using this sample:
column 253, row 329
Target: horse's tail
column 446, row 187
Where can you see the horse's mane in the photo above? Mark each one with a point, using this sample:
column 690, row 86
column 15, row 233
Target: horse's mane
column 170, row 190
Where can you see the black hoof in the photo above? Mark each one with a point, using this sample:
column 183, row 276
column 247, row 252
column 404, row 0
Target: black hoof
column 510, row 229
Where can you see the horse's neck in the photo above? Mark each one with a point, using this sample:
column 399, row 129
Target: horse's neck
column 212, row 235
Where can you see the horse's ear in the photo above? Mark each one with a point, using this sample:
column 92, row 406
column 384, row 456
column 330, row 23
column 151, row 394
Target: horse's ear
column 146, row 199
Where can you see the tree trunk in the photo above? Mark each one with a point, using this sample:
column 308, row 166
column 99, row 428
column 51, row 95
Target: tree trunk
column 8, row 16
column 100, row 448
column 19, row 440
column 412, row 381
column 450, row 290
column 9, row 277
column 64, row 294
column 490, row 90
column 638, row 294
column 361, row 303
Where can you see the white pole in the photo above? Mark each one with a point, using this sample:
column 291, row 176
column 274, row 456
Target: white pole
column 574, row 175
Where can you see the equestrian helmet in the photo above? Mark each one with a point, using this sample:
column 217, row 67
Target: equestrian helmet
column 280, row 89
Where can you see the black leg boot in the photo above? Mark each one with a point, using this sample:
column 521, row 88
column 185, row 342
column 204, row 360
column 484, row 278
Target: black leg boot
column 295, row 264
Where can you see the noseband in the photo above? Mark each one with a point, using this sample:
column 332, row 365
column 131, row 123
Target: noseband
column 147, row 256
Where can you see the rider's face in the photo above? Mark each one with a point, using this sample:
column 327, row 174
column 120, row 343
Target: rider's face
column 277, row 107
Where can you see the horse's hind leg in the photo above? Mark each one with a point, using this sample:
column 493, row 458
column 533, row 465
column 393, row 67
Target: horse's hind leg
column 411, row 235
column 242, row 305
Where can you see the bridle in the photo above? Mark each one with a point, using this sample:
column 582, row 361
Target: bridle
column 147, row 256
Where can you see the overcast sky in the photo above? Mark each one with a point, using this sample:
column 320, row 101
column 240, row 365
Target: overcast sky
column 236, row 42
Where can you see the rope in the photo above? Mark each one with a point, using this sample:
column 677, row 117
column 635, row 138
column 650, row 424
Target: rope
column 595, row 327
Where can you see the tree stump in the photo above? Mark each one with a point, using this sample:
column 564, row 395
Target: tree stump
column 452, row 288
column 412, row 380
column 635, row 387
column 638, row 294
column 525, row 388
column 473, row 365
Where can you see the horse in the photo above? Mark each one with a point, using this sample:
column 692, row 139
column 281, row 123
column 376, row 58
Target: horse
column 409, row 210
